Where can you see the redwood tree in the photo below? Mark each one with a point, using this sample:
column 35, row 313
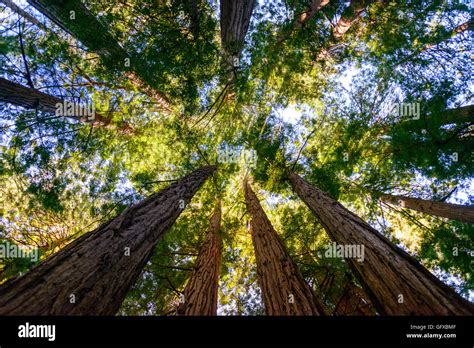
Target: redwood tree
column 95, row 34
column 284, row 290
column 30, row 98
column 463, row 213
column 396, row 282
column 235, row 21
column 200, row 294
column 91, row 276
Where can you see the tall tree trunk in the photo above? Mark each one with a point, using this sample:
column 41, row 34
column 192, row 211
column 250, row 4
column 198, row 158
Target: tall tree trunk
column 464, row 213
column 235, row 21
column 92, row 275
column 16, row 94
column 350, row 15
column 353, row 302
column 200, row 294
column 95, row 35
column 15, row 8
column 460, row 115
column 284, row 290
column 394, row 280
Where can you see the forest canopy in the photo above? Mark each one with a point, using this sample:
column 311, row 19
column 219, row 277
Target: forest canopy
column 231, row 146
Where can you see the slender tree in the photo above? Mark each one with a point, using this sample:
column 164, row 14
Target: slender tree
column 91, row 276
column 463, row 213
column 284, row 290
column 396, row 282
column 200, row 293
column 235, row 21
column 15, row 8
column 74, row 17
column 30, row 98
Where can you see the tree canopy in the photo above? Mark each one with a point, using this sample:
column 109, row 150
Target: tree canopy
column 362, row 98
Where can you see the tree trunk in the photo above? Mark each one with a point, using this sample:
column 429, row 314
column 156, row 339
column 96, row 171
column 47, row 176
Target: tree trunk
column 12, row 6
column 460, row 115
column 284, row 289
column 353, row 302
column 464, row 213
column 16, row 94
column 394, row 280
column 92, row 275
column 200, row 294
column 350, row 15
column 235, row 21
column 95, row 35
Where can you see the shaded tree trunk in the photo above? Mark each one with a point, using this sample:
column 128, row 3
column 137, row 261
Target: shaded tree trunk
column 12, row 6
column 460, row 115
column 95, row 35
column 235, row 21
column 396, row 282
column 92, row 275
column 284, row 290
column 200, row 294
column 464, row 213
column 16, row 94
column 353, row 302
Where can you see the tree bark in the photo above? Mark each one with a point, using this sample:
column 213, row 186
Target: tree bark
column 353, row 302
column 235, row 21
column 396, row 282
column 200, row 294
column 95, row 35
column 349, row 16
column 464, row 213
column 284, row 290
column 92, row 275
column 16, row 94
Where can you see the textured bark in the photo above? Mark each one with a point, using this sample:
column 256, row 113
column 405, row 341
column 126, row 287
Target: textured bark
column 387, row 272
column 350, row 15
column 200, row 294
column 97, row 268
column 464, row 213
column 284, row 289
column 16, row 94
column 353, row 301
column 235, row 21
column 314, row 7
column 96, row 37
